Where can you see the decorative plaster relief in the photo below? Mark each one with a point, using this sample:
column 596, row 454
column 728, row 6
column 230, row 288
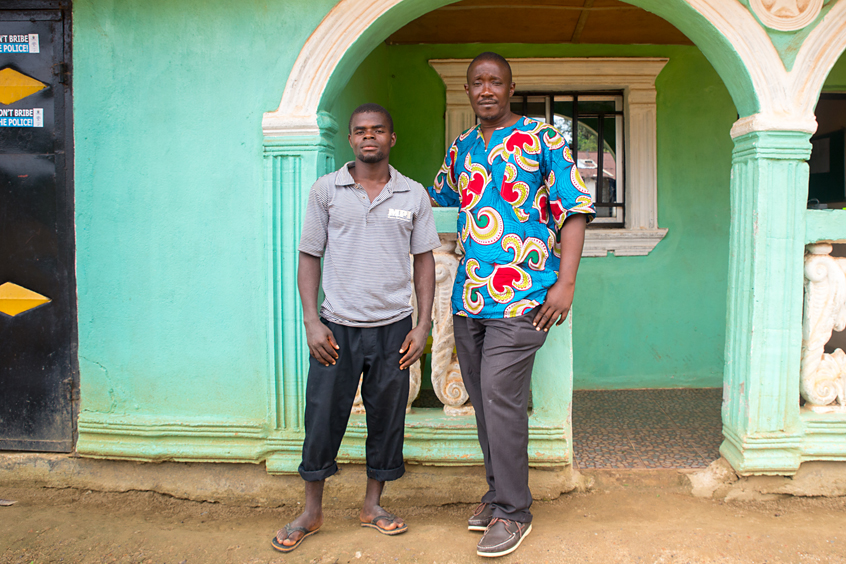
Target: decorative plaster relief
column 446, row 374
column 823, row 375
column 785, row 99
column 786, row 15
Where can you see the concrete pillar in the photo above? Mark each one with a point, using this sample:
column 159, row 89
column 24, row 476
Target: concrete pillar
column 292, row 164
column 769, row 190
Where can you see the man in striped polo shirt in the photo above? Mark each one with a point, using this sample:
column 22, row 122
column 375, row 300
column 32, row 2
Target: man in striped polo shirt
column 363, row 220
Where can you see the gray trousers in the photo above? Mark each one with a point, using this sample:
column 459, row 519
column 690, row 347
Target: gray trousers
column 496, row 358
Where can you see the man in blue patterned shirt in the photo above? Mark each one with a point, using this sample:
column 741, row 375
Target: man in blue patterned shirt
column 523, row 209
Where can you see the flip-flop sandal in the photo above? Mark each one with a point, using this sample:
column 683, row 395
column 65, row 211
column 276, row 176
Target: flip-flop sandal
column 289, row 530
column 386, row 517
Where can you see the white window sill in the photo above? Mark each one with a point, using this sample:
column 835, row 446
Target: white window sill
column 621, row 242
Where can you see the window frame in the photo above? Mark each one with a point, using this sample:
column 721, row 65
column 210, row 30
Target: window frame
column 635, row 78
column 617, row 95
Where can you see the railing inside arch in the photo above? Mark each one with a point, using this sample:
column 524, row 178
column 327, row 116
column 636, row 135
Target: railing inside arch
column 823, row 374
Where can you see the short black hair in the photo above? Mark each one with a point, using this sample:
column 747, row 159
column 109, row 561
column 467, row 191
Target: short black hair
column 490, row 56
column 371, row 108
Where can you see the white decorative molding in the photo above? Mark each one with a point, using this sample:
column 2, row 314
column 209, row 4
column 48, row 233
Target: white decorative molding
column 636, row 78
column 318, row 59
column 786, row 99
column 786, row 15
column 274, row 124
column 770, row 122
column 823, row 375
column 621, row 242
column 818, row 54
column 339, row 32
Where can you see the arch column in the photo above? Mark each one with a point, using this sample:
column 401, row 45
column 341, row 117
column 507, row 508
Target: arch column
column 292, row 164
column 765, row 431
column 769, row 191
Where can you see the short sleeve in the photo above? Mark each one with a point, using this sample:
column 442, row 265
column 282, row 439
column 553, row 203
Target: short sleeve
column 424, row 235
column 316, row 223
column 567, row 191
column 445, row 191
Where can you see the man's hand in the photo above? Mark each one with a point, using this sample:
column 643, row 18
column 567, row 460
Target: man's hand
column 413, row 346
column 559, row 298
column 321, row 342
column 424, row 286
column 555, row 308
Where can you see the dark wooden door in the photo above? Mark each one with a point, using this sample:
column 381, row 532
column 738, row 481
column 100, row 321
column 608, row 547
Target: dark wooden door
column 38, row 367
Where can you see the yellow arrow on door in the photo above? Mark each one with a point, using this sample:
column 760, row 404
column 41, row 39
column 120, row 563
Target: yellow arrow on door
column 16, row 299
column 15, row 86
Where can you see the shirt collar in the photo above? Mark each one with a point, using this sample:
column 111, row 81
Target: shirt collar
column 517, row 125
column 397, row 183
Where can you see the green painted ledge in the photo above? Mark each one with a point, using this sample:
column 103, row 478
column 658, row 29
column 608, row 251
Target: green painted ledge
column 446, row 219
column 825, row 225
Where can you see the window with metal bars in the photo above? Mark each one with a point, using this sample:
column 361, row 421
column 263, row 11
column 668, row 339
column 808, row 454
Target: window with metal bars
column 598, row 146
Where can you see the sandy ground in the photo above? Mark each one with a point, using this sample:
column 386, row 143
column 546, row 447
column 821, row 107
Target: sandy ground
column 625, row 525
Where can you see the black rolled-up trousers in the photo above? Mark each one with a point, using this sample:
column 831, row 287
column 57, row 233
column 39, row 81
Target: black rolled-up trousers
column 330, row 392
column 496, row 358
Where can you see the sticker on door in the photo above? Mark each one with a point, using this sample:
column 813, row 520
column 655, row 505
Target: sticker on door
column 25, row 43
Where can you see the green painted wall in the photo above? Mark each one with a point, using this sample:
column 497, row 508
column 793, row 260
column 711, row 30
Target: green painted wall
column 370, row 83
column 171, row 200
column 639, row 322
column 836, row 80
column 172, row 260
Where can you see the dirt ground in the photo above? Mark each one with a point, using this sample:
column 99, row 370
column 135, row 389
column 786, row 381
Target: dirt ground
column 624, row 525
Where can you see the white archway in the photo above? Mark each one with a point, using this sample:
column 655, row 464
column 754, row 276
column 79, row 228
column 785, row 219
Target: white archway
column 783, row 99
column 762, row 424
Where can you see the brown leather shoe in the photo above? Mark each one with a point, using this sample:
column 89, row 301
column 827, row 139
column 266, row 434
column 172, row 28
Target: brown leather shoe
column 502, row 537
column 481, row 518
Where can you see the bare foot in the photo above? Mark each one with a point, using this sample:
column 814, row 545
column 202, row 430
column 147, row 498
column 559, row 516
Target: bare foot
column 368, row 513
column 309, row 521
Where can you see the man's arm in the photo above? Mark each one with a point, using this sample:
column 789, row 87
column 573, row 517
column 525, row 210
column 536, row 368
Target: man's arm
column 424, row 287
column 321, row 341
column 559, row 298
column 444, row 192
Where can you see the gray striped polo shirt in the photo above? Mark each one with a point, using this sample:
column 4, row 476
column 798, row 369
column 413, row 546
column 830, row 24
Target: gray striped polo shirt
column 366, row 245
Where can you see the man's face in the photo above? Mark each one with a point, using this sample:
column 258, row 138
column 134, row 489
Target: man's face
column 489, row 88
column 370, row 137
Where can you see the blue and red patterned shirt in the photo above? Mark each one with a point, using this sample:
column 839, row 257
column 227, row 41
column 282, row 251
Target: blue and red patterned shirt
column 513, row 198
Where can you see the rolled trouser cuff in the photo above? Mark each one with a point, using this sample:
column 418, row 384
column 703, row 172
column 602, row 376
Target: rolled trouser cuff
column 317, row 475
column 386, row 475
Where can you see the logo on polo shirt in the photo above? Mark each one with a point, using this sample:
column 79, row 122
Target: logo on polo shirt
column 399, row 214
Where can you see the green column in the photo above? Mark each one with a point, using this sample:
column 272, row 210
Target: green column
column 292, row 164
column 769, row 190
